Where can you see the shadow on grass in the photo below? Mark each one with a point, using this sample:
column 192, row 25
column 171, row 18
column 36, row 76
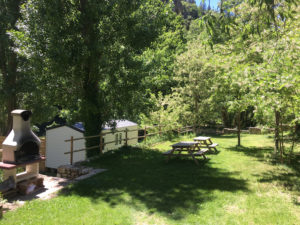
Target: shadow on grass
column 267, row 154
column 142, row 178
column 288, row 179
column 261, row 153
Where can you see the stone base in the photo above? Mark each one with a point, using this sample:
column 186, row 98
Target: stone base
column 72, row 172
column 254, row 130
column 229, row 131
column 30, row 186
column 10, row 170
column 9, row 193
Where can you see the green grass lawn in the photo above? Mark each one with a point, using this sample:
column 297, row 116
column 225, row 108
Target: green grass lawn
column 236, row 186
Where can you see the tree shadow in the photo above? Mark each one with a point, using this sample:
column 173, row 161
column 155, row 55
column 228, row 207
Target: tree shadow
column 262, row 153
column 288, row 179
column 295, row 163
column 266, row 154
column 142, row 178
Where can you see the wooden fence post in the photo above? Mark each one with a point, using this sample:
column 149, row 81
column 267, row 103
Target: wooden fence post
column 178, row 130
column 126, row 136
column 71, row 151
column 145, row 133
column 101, row 143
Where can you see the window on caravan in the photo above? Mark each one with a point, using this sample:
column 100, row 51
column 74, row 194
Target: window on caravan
column 116, row 139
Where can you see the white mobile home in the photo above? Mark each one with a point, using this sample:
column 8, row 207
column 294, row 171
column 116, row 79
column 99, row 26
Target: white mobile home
column 120, row 134
column 56, row 145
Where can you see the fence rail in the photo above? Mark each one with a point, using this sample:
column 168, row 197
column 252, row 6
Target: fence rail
column 179, row 130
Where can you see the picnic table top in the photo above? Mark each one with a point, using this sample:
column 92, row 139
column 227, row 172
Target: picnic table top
column 201, row 138
column 185, row 144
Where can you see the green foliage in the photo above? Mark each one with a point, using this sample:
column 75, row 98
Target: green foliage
column 189, row 12
column 165, row 112
column 195, row 75
column 10, row 74
column 243, row 58
column 95, row 61
column 278, row 77
column 21, row 85
column 88, row 54
column 159, row 58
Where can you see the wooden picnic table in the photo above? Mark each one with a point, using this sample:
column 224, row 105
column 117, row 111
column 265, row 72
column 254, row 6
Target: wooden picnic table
column 206, row 142
column 191, row 147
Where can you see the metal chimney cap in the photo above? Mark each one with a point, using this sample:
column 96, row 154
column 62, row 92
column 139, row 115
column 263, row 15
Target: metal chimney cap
column 25, row 114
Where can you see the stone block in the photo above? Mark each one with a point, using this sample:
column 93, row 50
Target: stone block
column 245, row 131
column 254, row 130
column 229, row 131
column 72, row 172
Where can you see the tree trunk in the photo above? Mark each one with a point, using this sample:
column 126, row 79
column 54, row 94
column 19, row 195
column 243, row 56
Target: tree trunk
column 11, row 104
column 281, row 143
column 8, row 59
column 239, row 128
column 91, row 116
column 221, row 6
column 277, row 135
column 297, row 130
column 178, row 6
column 196, row 120
column 91, row 102
column 196, row 114
column 10, row 86
column 226, row 118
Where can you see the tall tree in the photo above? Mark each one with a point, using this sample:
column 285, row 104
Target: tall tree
column 91, row 47
column 9, row 68
column 178, row 6
column 159, row 59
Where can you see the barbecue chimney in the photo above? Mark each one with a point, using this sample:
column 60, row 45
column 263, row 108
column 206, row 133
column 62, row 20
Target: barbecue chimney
column 21, row 145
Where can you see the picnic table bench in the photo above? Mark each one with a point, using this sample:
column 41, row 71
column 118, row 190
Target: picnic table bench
column 191, row 147
column 206, row 142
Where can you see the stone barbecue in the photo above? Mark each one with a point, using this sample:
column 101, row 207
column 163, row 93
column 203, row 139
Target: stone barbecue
column 21, row 145
column 21, row 149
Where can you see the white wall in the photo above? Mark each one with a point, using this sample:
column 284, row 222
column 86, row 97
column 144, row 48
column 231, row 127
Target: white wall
column 132, row 133
column 56, row 146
